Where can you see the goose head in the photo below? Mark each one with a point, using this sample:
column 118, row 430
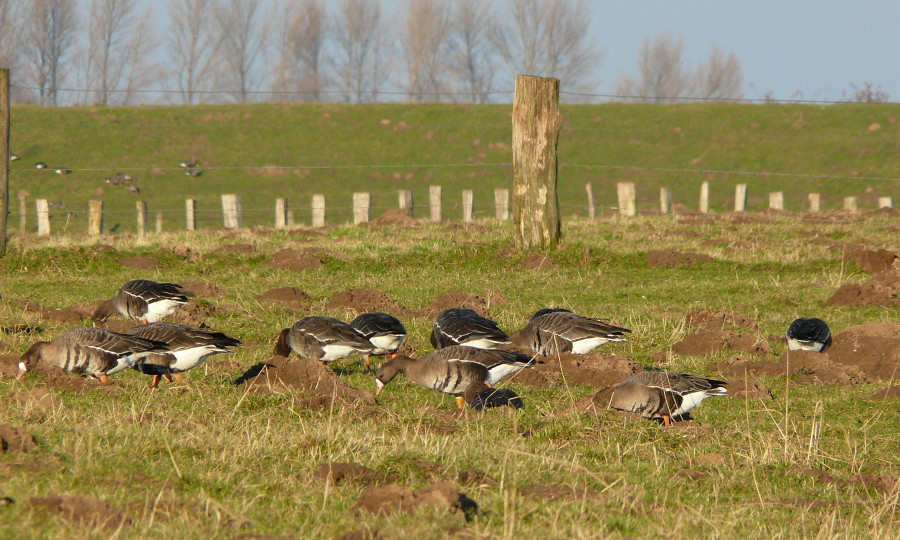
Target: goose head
column 30, row 359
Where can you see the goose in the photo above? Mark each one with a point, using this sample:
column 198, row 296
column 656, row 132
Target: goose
column 90, row 351
column 193, row 173
column 322, row 338
column 463, row 326
column 40, row 165
column 660, row 394
column 500, row 364
column 188, row 348
column 188, row 164
column 437, row 371
column 144, row 300
column 808, row 334
column 384, row 331
column 62, row 171
column 13, row 157
column 554, row 330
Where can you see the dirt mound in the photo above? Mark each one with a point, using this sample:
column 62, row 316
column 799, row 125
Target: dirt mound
column 674, row 259
column 338, row 473
column 203, row 288
column 319, row 385
column 9, row 364
column 804, row 367
column 393, row 498
column 456, row 298
column 141, row 263
column 117, row 325
column 719, row 320
column 365, row 301
column 193, row 314
column 295, row 259
column 36, row 397
column 13, row 439
column 712, row 341
column 396, row 217
column 182, row 250
column 741, row 388
column 882, row 290
column 537, row 261
column 891, row 392
column 871, row 261
column 67, row 315
column 556, row 492
column 871, row 348
column 81, row 509
column 238, row 249
column 599, row 370
column 291, row 296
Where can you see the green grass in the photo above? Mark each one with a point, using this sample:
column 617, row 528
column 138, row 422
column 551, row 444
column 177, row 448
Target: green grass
column 205, row 460
column 340, row 149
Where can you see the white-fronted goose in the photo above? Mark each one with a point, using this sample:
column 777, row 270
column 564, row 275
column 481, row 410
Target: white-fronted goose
column 554, row 331
column 463, row 326
column 144, row 300
column 808, row 334
column 384, row 331
column 188, row 348
column 90, row 351
column 500, row 364
column 437, row 371
column 322, row 338
column 660, row 394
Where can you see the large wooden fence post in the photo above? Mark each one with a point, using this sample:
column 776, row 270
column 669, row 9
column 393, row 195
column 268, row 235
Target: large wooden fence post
column 362, row 207
column 281, row 213
column 625, row 194
column 405, row 201
column 885, row 202
column 850, row 204
column 159, row 222
column 704, row 198
column 665, row 200
column 141, row 218
column 435, row 203
column 318, row 210
column 468, row 203
column 4, row 156
column 815, row 202
column 190, row 214
column 501, row 204
column 43, row 217
column 776, row 200
column 740, row 197
column 95, row 218
column 535, row 135
column 231, row 211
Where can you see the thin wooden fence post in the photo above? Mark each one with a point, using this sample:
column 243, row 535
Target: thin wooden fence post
column 665, row 200
column 435, row 203
column 850, row 204
column 704, row 198
column 362, row 207
column 4, row 156
column 776, row 200
column 885, row 202
column 231, row 211
column 291, row 219
column 815, row 201
column 626, row 194
column 468, row 200
column 190, row 214
column 740, row 197
column 43, row 217
column 590, row 201
column 142, row 229
column 501, row 204
column 95, row 218
column 159, row 222
column 318, row 211
column 405, row 201
column 281, row 213
column 23, row 212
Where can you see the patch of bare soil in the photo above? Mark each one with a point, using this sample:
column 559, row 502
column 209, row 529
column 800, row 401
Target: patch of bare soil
column 182, row 250
column 9, row 364
column 674, row 259
column 741, row 388
column 719, row 320
column 304, row 234
column 593, row 369
column 804, row 367
column 394, row 498
column 556, row 492
column 365, row 301
column 397, row 217
column 871, row 348
column 882, row 290
column 13, row 440
column 193, row 314
column 454, row 299
column 36, row 397
column 81, row 509
column 320, row 386
column 537, row 261
column 871, row 261
column 295, row 259
column 203, row 288
column 67, row 315
column 141, row 263
column 886, row 483
column 710, row 459
column 337, row 473
column 237, row 249
column 891, row 392
column 117, row 325
column 712, row 341
column 291, row 296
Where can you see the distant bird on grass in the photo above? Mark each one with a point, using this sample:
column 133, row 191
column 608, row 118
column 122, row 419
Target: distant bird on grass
column 40, row 165
column 555, row 331
column 322, row 338
column 144, row 300
column 463, row 326
column 193, row 173
column 188, row 348
column 808, row 334
column 13, row 157
column 384, row 331
column 188, row 164
column 660, row 394
column 63, row 171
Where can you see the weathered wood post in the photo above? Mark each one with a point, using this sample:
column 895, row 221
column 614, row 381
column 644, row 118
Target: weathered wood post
column 190, row 214
column 23, row 211
column 435, row 203
column 4, row 156
column 850, row 204
column 468, row 203
column 776, row 200
column 815, row 201
column 142, row 225
column 281, row 213
column 625, row 194
column 291, row 219
column 704, row 198
column 885, row 202
column 43, row 217
column 405, row 201
column 740, row 197
column 159, row 222
column 535, row 135
column 590, row 201
column 231, row 211
column 318, row 210
column 501, row 204
column 361, row 207
column 95, row 218
column 665, row 200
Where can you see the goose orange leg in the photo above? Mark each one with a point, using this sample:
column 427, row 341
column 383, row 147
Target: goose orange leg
column 460, row 402
column 155, row 382
column 667, row 420
column 177, row 378
column 103, row 379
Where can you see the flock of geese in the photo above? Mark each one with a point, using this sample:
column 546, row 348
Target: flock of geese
column 472, row 354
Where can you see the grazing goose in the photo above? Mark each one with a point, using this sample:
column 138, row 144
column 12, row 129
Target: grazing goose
column 62, row 171
column 322, row 338
column 660, row 394
column 462, row 326
column 555, row 331
column 384, row 331
column 439, row 371
column 188, row 164
column 808, row 334
column 90, row 351
column 188, row 348
column 500, row 364
column 13, row 157
column 144, row 300
column 40, row 165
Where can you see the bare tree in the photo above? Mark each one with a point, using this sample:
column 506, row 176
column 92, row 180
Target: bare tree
column 719, row 78
column 10, row 45
column 301, row 68
column 472, row 56
column 361, row 49
column 867, row 93
column 240, row 40
column 191, row 46
column 424, row 45
column 48, row 38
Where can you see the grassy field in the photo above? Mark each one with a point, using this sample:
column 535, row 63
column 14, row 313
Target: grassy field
column 207, row 459
column 263, row 152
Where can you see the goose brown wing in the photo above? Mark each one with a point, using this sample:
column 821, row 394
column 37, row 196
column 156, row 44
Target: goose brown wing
column 573, row 327
column 152, row 291
column 680, row 383
column 329, row 331
column 378, row 323
column 633, row 396
column 179, row 337
column 458, row 325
